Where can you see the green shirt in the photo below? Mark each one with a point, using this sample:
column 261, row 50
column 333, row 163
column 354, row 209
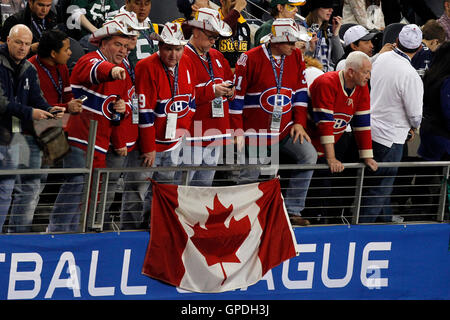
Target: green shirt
column 145, row 47
column 97, row 11
column 265, row 29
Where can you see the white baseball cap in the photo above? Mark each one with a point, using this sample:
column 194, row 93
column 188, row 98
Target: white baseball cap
column 209, row 19
column 356, row 33
column 286, row 30
column 171, row 34
column 410, row 36
column 124, row 23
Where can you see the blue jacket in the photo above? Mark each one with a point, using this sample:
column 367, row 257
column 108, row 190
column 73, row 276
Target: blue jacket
column 18, row 96
column 422, row 60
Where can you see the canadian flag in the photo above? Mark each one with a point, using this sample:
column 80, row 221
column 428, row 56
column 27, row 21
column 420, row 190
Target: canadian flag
column 215, row 239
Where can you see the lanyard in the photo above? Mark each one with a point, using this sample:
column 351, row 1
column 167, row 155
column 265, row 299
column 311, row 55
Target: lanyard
column 130, row 70
column 175, row 79
column 147, row 37
column 318, row 43
column 278, row 80
column 60, row 86
column 38, row 27
column 208, row 58
column 402, row 54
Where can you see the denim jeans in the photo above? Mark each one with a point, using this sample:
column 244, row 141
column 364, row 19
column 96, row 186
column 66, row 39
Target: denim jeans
column 200, row 156
column 26, row 187
column 66, row 211
column 295, row 194
column 137, row 195
column 113, row 160
column 9, row 160
column 378, row 185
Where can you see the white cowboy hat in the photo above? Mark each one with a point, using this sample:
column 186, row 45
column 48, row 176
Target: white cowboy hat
column 171, row 34
column 124, row 23
column 286, row 30
column 209, row 19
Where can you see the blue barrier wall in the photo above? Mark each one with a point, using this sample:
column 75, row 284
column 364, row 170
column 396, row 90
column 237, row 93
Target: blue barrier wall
column 335, row 262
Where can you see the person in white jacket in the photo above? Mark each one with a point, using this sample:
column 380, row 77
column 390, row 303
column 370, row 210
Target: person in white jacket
column 396, row 110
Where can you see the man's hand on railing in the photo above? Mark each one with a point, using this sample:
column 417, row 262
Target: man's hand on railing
column 371, row 163
column 335, row 165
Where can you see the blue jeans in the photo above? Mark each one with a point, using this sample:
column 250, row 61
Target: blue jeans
column 9, row 160
column 26, row 188
column 65, row 216
column 113, row 160
column 137, row 194
column 200, row 156
column 295, row 194
column 378, row 185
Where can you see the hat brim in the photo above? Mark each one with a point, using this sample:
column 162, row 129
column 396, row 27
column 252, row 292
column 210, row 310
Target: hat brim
column 296, row 4
column 223, row 29
column 172, row 42
column 368, row 36
column 96, row 39
column 289, row 38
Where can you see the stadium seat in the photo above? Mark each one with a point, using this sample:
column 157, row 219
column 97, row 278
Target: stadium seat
column 344, row 28
column 77, row 53
column 391, row 32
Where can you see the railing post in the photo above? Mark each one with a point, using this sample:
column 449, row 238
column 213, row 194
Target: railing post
column 185, row 177
column 89, row 165
column 98, row 187
column 443, row 195
column 104, row 184
column 358, row 195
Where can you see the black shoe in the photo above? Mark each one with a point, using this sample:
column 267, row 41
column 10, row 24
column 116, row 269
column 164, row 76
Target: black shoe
column 298, row 221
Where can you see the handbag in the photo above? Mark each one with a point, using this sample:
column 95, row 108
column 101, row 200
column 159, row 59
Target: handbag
column 53, row 143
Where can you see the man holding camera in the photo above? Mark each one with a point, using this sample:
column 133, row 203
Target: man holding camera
column 19, row 88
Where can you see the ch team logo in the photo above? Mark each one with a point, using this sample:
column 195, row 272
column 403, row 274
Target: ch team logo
column 179, row 104
column 269, row 99
column 341, row 121
column 108, row 106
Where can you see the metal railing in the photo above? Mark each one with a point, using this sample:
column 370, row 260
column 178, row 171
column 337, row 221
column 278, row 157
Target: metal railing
column 341, row 206
column 419, row 193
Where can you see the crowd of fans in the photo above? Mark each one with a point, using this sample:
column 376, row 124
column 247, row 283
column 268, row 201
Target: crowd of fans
column 208, row 87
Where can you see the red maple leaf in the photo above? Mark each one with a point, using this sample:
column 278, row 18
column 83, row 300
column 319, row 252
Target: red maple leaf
column 216, row 242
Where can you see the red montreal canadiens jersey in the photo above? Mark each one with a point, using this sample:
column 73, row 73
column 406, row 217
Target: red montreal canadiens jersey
column 127, row 128
column 256, row 94
column 91, row 77
column 155, row 102
column 204, row 127
column 333, row 109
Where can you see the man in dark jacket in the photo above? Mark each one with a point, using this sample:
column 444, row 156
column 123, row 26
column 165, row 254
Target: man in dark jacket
column 21, row 102
column 37, row 16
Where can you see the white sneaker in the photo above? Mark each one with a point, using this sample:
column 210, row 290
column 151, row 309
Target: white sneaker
column 397, row 219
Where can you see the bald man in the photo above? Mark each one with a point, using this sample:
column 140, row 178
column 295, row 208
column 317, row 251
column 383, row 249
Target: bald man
column 21, row 102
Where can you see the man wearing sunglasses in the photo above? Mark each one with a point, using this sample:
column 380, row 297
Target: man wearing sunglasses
column 279, row 9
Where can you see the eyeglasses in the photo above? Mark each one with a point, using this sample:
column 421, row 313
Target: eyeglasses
column 210, row 37
column 290, row 8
